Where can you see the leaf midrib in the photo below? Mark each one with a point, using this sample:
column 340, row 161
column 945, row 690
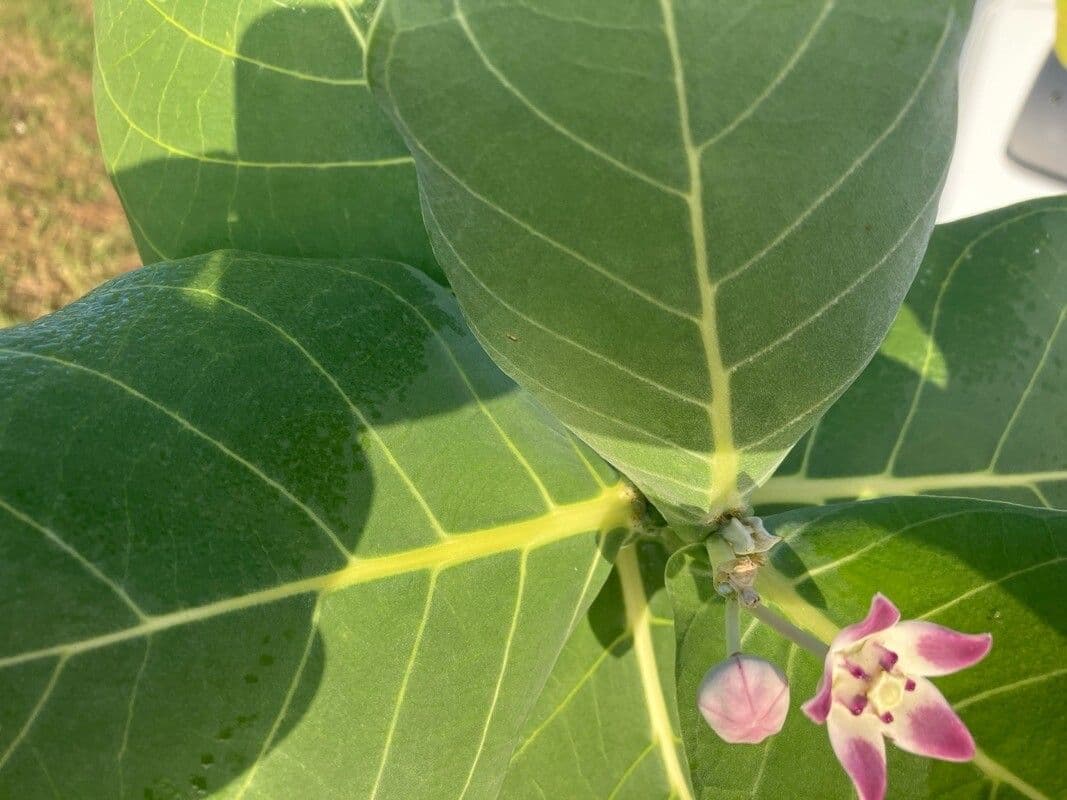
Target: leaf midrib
column 795, row 488
column 720, row 489
column 639, row 622
column 606, row 511
column 725, row 466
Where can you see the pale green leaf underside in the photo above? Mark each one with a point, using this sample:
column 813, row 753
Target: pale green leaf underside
column 249, row 124
column 273, row 530
column 968, row 564
column 606, row 725
column 966, row 397
column 684, row 226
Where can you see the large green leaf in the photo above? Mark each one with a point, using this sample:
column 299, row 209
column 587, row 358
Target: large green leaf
column 273, row 529
column 969, row 564
column 966, row 396
column 248, row 123
column 685, row 226
column 606, row 724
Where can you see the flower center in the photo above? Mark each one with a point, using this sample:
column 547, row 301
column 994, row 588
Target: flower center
column 866, row 680
column 887, row 692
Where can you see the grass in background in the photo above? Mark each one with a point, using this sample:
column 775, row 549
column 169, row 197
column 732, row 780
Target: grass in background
column 62, row 230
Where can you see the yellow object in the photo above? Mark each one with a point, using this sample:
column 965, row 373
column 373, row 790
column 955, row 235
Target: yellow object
column 1061, row 31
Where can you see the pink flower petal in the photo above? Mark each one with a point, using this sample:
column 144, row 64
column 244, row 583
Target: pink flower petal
column 925, row 724
column 882, row 614
column 818, row 707
column 928, row 649
column 858, row 745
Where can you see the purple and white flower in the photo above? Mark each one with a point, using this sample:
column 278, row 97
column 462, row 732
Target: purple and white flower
column 874, row 687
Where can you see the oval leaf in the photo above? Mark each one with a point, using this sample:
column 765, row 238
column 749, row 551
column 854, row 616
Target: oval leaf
column 685, row 227
column 258, row 548
column 250, row 125
column 969, row 564
column 966, row 394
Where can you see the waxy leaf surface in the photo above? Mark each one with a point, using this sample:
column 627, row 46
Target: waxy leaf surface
column 685, row 226
column 967, row 394
column 972, row 565
column 274, row 529
column 249, row 124
column 606, row 725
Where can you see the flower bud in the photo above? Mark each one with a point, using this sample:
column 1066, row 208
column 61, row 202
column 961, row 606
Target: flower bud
column 744, row 699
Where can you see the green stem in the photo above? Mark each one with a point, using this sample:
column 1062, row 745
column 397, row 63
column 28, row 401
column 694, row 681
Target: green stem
column 733, row 626
column 718, row 551
column 788, row 630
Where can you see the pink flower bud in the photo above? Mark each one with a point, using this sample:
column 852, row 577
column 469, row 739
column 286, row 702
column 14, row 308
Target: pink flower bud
column 744, row 699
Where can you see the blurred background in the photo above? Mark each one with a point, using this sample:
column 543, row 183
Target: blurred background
column 62, row 230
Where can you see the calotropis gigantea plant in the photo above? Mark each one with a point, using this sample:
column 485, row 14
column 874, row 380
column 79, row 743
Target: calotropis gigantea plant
column 423, row 459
